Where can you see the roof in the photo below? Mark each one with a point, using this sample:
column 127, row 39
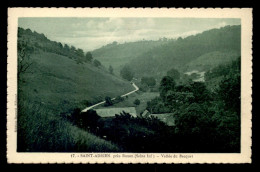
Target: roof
column 167, row 118
column 145, row 113
column 111, row 112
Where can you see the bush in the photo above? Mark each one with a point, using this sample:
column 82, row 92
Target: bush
column 127, row 73
column 149, row 81
column 108, row 101
column 143, row 88
column 119, row 99
column 137, row 102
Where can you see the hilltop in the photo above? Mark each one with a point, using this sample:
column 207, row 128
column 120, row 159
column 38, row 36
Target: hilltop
column 154, row 58
column 117, row 55
column 183, row 52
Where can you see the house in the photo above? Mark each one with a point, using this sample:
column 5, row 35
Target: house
column 200, row 78
column 145, row 114
column 111, row 112
column 167, row 118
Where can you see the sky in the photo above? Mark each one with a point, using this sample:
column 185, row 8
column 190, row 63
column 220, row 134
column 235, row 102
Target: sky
column 92, row 33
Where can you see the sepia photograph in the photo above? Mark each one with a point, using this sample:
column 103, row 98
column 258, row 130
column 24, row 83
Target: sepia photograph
column 128, row 85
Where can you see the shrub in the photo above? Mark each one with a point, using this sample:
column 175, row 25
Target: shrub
column 119, row 99
column 137, row 102
column 108, row 101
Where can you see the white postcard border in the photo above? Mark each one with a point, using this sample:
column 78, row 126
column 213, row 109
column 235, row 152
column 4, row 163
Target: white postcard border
column 245, row 14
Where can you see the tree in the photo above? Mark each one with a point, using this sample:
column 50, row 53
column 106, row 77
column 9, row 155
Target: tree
column 200, row 92
column 229, row 92
column 149, row 81
column 127, row 73
column 167, row 84
column 108, row 101
column 90, row 119
column 111, row 70
column 89, row 57
column 174, row 74
column 23, row 58
column 119, row 99
column 137, row 102
column 72, row 49
column 66, row 48
column 175, row 100
column 96, row 63
column 80, row 52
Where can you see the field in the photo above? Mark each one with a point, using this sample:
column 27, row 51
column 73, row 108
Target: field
column 144, row 97
column 58, row 83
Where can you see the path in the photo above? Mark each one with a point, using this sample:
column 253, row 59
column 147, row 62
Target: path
column 100, row 103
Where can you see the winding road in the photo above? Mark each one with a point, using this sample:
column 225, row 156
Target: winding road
column 100, row 103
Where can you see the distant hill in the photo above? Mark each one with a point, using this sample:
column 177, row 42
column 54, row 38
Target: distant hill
column 213, row 59
column 154, row 58
column 117, row 55
column 211, row 47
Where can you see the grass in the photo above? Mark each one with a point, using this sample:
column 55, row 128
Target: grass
column 55, row 85
column 144, row 97
column 59, row 83
column 39, row 130
column 212, row 59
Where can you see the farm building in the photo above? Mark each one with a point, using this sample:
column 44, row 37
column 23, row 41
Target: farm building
column 145, row 114
column 111, row 112
column 200, row 77
column 167, row 118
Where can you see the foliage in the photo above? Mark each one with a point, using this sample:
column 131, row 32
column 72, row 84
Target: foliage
column 117, row 55
column 86, row 120
column 108, row 101
column 174, row 74
column 149, row 81
column 127, row 73
column 229, row 91
column 41, row 130
column 89, row 57
column 137, row 102
column 210, row 120
column 24, row 61
column 143, row 87
column 157, row 105
column 36, row 41
column 180, row 53
column 119, row 99
column 111, row 70
column 96, row 63
column 80, row 52
column 167, row 84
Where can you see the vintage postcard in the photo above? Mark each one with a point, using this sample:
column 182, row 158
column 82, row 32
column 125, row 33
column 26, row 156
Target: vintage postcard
column 119, row 85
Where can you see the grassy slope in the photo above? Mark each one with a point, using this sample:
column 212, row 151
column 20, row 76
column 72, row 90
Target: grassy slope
column 55, row 84
column 184, row 51
column 59, row 83
column 211, row 60
column 39, row 130
column 120, row 54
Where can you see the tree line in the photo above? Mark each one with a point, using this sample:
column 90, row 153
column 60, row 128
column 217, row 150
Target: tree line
column 35, row 42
